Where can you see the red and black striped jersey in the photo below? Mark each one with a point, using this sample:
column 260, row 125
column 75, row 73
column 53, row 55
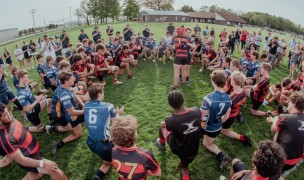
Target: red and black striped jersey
column 228, row 85
column 236, row 100
column 16, row 137
column 262, row 88
column 133, row 163
column 133, row 48
column 180, row 46
column 99, row 62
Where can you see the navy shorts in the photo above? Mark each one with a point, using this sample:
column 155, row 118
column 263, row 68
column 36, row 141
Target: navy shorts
column 211, row 134
column 238, row 166
column 33, row 116
column 103, row 150
column 37, row 156
column 6, row 97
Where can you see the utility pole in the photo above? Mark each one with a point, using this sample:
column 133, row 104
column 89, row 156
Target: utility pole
column 33, row 11
column 70, row 16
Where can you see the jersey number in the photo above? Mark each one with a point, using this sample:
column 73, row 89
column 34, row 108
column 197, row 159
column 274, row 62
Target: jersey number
column 221, row 106
column 132, row 165
column 92, row 116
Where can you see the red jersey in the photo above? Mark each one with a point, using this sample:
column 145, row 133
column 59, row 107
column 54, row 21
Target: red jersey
column 80, row 67
column 180, row 46
column 236, row 100
column 15, row 137
column 223, row 34
column 100, row 62
column 133, row 163
column 301, row 79
column 211, row 54
column 133, row 47
column 244, row 36
column 122, row 56
column 262, row 88
column 228, row 85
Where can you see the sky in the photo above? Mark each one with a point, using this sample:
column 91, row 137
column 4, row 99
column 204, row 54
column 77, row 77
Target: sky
column 16, row 13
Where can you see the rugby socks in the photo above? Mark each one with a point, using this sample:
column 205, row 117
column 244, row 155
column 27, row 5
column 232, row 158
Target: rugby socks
column 17, row 103
column 60, row 144
column 99, row 175
column 187, row 79
column 185, row 177
column 115, row 80
column 241, row 138
column 162, row 141
column 219, row 156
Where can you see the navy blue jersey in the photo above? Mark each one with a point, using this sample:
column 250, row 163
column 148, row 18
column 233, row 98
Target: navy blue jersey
column 67, row 101
column 217, row 104
column 16, row 82
column 25, row 97
column 253, row 68
column 97, row 116
column 41, row 69
column 3, row 85
column 150, row 45
column 244, row 63
column 51, row 73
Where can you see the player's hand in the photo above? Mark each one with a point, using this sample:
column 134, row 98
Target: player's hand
column 120, row 111
column 50, row 166
column 237, row 175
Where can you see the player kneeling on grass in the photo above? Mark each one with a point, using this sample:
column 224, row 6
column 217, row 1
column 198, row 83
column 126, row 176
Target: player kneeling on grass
column 237, row 95
column 130, row 161
column 125, row 60
column 97, row 116
column 276, row 90
column 289, row 130
column 258, row 92
column 20, row 146
column 215, row 111
column 102, row 67
column 268, row 161
column 32, row 105
column 65, row 111
column 181, row 130
column 150, row 49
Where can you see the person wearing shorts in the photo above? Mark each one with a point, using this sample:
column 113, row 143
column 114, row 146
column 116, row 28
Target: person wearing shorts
column 97, row 117
column 215, row 109
column 65, row 111
column 8, row 58
column 19, row 145
column 51, row 72
column 191, row 45
column 102, row 67
column 258, row 92
column 268, row 161
column 290, row 129
column 181, row 130
column 20, row 56
column 125, row 60
column 237, row 95
column 41, row 69
column 32, row 105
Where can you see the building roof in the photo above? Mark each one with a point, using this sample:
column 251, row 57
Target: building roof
column 202, row 15
column 231, row 17
column 164, row 13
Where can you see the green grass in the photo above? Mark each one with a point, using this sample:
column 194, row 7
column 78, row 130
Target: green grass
column 146, row 98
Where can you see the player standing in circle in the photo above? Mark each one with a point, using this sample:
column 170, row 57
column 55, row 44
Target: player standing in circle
column 215, row 111
column 181, row 43
column 97, row 116
column 130, row 161
column 181, row 130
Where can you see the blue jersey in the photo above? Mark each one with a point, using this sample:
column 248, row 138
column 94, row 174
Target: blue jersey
column 97, row 116
column 25, row 97
column 252, row 69
column 244, row 63
column 217, row 104
column 3, row 85
column 16, row 82
column 51, row 73
column 151, row 45
column 41, row 69
column 67, row 101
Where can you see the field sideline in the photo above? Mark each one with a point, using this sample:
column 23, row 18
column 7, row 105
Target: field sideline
column 146, row 98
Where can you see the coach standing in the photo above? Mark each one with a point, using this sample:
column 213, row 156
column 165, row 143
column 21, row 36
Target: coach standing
column 96, row 34
column 128, row 32
column 65, row 40
column 109, row 30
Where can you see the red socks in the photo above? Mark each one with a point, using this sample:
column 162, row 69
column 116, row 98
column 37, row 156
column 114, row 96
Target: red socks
column 162, row 141
column 185, row 177
column 242, row 138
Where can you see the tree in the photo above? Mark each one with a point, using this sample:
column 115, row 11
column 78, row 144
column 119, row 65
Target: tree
column 112, row 9
column 204, row 9
column 158, row 4
column 101, row 9
column 187, row 8
column 130, row 8
column 84, row 11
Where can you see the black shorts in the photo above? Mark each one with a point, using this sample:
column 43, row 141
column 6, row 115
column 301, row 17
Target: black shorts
column 33, row 116
column 211, row 134
column 9, row 61
column 102, row 77
column 239, row 166
column 47, row 86
column 53, row 87
column 62, row 121
column 37, row 156
column 255, row 104
column 185, row 160
column 2, row 152
column 180, row 60
column 118, row 64
column 79, row 120
column 135, row 56
column 228, row 123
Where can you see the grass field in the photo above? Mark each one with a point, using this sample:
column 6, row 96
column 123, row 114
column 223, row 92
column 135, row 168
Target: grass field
column 146, row 98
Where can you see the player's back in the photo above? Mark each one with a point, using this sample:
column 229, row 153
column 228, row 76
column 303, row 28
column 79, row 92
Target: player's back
column 133, row 163
column 219, row 103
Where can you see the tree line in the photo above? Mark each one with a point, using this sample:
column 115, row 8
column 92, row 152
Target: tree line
column 254, row 18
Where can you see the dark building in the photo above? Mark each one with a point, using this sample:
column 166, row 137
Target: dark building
column 216, row 18
column 165, row 16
